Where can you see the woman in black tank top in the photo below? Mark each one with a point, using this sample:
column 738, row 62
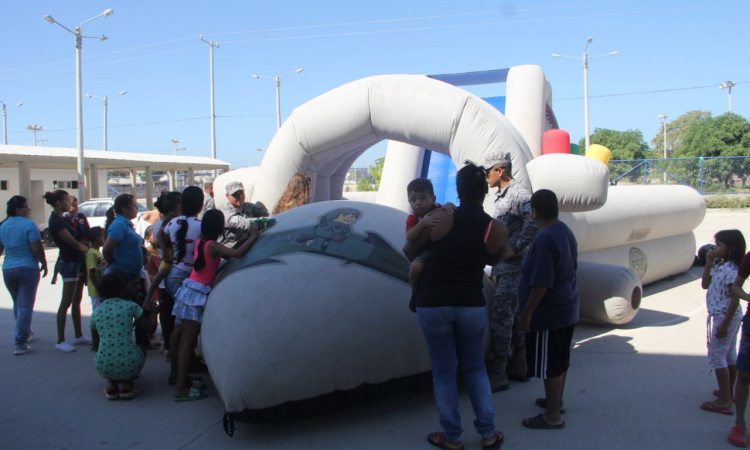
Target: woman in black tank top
column 452, row 312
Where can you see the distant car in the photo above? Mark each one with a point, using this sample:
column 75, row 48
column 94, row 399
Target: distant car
column 95, row 211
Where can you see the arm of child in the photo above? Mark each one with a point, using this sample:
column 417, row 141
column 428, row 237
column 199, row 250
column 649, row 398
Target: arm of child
column 706, row 279
column 723, row 329
column 161, row 275
column 164, row 244
column 215, row 249
column 496, row 242
column 737, row 289
column 537, row 292
column 95, row 340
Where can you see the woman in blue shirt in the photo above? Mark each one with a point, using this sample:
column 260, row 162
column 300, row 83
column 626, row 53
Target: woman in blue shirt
column 123, row 251
column 20, row 240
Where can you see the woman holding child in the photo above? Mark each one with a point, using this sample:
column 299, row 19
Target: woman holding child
column 451, row 308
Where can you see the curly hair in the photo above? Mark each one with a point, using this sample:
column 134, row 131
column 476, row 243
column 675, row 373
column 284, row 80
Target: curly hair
column 298, row 193
column 471, row 183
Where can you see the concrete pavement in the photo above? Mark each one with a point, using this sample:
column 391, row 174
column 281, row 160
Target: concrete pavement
column 636, row 386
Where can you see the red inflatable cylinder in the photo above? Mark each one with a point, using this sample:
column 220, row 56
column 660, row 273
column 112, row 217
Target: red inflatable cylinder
column 555, row 141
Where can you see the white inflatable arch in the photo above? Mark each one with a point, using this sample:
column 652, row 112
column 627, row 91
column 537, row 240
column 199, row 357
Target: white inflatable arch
column 323, row 137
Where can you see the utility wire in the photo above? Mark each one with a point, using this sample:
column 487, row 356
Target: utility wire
column 624, row 94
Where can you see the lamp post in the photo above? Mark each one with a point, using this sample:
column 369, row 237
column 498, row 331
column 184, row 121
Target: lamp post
column 175, row 142
column 585, row 59
column 259, row 150
column 5, row 117
column 34, row 129
column 211, row 46
column 78, row 33
column 728, row 85
column 43, row 141
column 105, row 100
column 663, row 118
column 278, row 92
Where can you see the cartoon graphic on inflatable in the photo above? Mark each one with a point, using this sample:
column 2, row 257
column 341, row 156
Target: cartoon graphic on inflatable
column 334, row 237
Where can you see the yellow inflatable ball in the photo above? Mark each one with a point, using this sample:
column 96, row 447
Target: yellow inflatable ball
column 599, row 153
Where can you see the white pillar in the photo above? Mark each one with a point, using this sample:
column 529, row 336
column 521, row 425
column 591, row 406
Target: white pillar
column 133, row 182
column 87, row 177
column 94, row 180
column 191, row 177
column 24, row 179
column 149, row 188
column 172, row 180
column 403, row 163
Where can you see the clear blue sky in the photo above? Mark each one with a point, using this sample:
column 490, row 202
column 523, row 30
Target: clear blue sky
column 663, row 44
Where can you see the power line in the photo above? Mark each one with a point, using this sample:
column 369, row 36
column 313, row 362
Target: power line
column 623, row 94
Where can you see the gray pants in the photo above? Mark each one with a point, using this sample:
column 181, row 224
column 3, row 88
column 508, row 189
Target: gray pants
column 504, row 316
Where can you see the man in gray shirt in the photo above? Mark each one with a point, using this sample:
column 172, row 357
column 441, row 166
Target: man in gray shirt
column 208, row 199
column 239, row 215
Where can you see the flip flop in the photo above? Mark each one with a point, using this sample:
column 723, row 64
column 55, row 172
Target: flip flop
column 538, row 423
column 498, row 442
column 738, row 437
column 109, row 396
column 542, row 403
column 438, row 440
column 130, row 394
column 195, row 394
column 710, row 407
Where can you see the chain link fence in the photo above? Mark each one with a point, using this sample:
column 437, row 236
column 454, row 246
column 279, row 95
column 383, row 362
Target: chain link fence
column 715, row 175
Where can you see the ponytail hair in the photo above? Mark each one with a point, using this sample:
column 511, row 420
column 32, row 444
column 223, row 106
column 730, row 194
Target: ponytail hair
column 212, row 225
column 110, row 215
column 471, row 183
column 121, row 202
column 55, row 196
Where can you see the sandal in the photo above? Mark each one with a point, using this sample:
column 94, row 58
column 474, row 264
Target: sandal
column 133, row 393
column 738, row 437
column 538, row 423
column 195, row 394
column 109, row 396
column 542, row 403
column 498, row 442
column 438, row 440
column 711, row 407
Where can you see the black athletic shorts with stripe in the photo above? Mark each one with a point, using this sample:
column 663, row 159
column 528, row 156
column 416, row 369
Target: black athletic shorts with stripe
column 548, row 352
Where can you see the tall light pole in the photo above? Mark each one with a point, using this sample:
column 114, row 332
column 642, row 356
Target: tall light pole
column 663, row 118
column 728, row 85
column 34, row 129
column 5, row 119
column 175, row 142
column 259, row 150
column 78, row 33
column 211, row 46
column 278, row 92
column 105, row 100
column 585, row 59
column 43, row 141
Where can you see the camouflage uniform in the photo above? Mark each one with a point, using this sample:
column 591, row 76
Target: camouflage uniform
column 512, row 207
column 238, row 221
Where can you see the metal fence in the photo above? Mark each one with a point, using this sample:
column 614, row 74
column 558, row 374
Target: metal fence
column 715, row 175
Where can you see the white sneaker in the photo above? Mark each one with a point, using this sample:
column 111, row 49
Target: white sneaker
column 31, row 336
column 22, row 350
column 82, row 340
column 64, row 347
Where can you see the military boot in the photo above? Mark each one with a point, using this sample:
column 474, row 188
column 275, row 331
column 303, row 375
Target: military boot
column 498, row 377
column 517, row 369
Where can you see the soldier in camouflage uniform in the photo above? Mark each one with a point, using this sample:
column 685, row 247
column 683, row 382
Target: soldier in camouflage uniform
column 238, row 215
column 512, row 207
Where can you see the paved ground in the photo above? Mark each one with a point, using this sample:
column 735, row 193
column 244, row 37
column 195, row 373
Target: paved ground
column 638, row 386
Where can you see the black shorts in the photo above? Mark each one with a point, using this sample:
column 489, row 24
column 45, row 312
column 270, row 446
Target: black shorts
column 548, row 352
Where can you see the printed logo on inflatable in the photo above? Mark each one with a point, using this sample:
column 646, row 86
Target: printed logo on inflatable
column 638, row 262
column 333, row 237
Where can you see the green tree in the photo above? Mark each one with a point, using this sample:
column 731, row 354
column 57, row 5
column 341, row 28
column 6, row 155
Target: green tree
column 623, row 145
column 372, row 183
column 676, row 132
column 725, row 135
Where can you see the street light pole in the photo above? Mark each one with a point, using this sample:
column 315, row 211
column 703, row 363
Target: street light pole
column 260, row 150
column 78, row 33
column 211, row 46
column 5, row 120
column 105, row 100
column 43, row 141
column 34, row 129
column 663, row 118
column 585, row 59
column 278, row 92
column 175, row 142
column 728, row 85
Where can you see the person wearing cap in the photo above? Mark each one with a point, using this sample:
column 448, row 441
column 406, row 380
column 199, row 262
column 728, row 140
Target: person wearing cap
column 512, row 207
column 238, row 214
column 208, row 200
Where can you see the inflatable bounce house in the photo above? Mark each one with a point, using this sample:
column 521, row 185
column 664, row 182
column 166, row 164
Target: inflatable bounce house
column 319, row 304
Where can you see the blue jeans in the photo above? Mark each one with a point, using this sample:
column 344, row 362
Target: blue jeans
column 455, row 339
column 174, row 281
column 22, row 283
